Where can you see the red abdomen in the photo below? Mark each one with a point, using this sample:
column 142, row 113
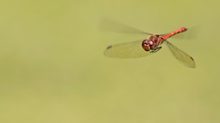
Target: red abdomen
column 180, row 30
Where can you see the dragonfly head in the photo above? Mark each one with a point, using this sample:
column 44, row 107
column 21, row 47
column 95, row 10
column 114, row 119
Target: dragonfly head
column 147, row 44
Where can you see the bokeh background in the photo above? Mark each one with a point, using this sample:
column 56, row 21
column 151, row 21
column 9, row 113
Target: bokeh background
column 52, row 67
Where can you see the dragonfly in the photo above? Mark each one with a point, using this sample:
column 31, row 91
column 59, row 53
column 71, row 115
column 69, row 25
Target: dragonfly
column 150, row 45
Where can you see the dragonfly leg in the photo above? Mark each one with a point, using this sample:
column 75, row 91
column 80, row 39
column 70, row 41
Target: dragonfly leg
column 155, row 49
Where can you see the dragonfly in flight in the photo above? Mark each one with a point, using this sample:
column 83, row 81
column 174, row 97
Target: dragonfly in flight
column 150, row 45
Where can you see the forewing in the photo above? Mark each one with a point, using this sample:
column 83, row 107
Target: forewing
column 181, row 56
column 126, row 50
column 115, row 26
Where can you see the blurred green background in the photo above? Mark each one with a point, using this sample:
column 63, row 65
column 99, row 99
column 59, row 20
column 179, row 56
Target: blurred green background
column 53, row 69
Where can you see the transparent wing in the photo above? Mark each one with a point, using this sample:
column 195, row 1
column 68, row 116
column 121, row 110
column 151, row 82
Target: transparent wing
column 126, row 50
column 114, row 26
column 181, row 56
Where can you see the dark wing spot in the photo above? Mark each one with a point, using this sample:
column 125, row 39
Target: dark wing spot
column 109, row 47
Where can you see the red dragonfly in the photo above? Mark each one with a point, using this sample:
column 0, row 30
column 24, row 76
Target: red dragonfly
column 148, row 46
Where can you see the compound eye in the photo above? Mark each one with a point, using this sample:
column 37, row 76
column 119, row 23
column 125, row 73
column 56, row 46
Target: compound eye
column 146, row 46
